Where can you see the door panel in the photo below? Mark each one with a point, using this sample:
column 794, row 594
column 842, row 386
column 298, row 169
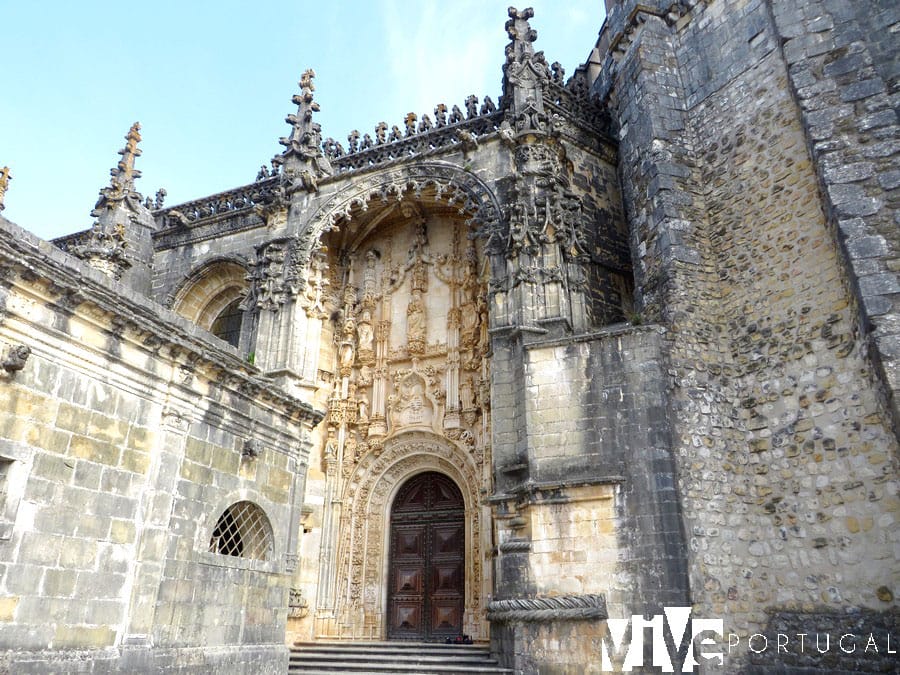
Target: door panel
column 427, row 573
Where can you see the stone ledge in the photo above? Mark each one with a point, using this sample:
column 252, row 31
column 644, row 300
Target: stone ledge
column 26, row 254
column 251, row 659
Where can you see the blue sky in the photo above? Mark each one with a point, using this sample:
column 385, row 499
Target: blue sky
column 211, row 82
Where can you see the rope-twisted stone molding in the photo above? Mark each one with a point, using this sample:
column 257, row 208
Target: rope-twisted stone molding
column 515, row 546
column 555, row 608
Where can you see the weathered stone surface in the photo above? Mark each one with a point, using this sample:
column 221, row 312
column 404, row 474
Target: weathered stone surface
column 646, row 319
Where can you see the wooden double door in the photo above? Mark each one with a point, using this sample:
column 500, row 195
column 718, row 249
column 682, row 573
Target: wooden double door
column 427, row 560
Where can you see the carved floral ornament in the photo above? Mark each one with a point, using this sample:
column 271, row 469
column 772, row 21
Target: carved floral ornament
column 280, row 273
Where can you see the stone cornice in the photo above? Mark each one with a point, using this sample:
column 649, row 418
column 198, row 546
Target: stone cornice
column 158, row 329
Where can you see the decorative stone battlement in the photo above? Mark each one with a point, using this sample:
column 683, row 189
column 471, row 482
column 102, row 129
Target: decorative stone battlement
column 450, row 129
column 245, row 197
column 418, row 140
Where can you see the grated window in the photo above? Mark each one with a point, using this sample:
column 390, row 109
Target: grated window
column 227, row 325
column 242, row 531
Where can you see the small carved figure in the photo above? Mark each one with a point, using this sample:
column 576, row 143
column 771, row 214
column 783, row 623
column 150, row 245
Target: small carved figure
column 415, row 323
column 347, row 351
column 353, row 141
column 421, row 240
column 456, row 115
column 558, row 72
column 467, row 393
column 395, row 134
column 364, row 330
column 380, row 131
column 330, row 446
column 410, row 123
column 440, row 115
column 365, row 376
column 15, row 358
column 467, row 438
column 484, row 337
column 487, row 106
column 363, row 417
column 263, row 173
column 467, row 140
column 366, row 142
column 471, row 106
column 369, row 276
column 160, row 198
column 419, row 277
column 468, row 329
column 425, row 123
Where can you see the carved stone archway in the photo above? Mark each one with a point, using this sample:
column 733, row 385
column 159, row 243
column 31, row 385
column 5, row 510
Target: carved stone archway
column 362, row 569
column 450, row 183
column 209, row 289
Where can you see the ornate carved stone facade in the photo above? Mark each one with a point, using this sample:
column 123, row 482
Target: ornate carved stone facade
column 641, row 317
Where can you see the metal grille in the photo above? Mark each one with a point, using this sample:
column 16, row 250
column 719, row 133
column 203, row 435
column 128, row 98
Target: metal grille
column 242, row 531
column 227, row 325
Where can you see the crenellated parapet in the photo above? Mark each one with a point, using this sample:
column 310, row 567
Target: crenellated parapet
column 225, row 203
column 419, row 137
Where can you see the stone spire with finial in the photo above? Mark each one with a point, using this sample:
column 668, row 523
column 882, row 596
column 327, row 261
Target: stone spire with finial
column 5, row 177
column 303, row 161
column 119, row 243
column 524, row 75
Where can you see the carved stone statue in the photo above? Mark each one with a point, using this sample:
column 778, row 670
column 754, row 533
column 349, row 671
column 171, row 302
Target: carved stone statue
column 347, row 344
column 363, row 416
column 15, row 358
column 468, row 327
column 419, row 277
column 364, row 332
column 467, row 393
column 415, row 324
column 331, row 447
column 369, row 278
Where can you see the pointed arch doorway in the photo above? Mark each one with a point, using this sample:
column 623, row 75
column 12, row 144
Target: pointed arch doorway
column 426, row 573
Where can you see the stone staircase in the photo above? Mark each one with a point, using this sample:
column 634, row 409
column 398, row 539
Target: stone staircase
column 411, row 658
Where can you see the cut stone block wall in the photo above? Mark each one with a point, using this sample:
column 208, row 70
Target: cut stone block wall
column 599, row 514
column 123, row 442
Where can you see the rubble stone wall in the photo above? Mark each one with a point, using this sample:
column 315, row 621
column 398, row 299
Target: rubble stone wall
column 783, row 430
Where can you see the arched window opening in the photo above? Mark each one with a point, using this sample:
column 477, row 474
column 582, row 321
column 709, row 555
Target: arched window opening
column 211, row 298
column 242, row 531
column 227, row 325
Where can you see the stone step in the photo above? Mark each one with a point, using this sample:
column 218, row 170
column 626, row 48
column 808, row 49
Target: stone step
column 420, row 658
